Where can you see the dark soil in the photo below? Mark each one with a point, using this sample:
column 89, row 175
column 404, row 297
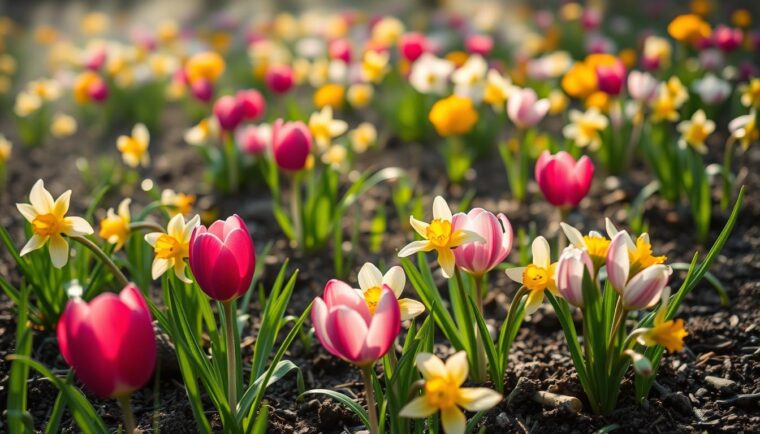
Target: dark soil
column 723, row 341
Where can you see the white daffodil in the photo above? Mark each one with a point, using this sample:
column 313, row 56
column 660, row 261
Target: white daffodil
column 430, row 74
column 469, row 80
column 372, row 281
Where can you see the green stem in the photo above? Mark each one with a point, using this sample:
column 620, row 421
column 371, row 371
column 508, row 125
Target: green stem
column 371, row 406
column 230, row 152
column 107, row 261
column 229, row 329
column 479, row 280
column 480, row 351
column 127, row 414
column 618, row 319
column 522, row 166
column 295, row 209
column 561, row 242
column 728, row 157
column 145, row 226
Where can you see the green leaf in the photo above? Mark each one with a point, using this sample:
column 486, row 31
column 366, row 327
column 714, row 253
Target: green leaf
column 19, row 420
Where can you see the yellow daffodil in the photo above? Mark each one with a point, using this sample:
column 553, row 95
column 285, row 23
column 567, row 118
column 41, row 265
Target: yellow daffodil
column 362, row 137
column 745, row 129
column 374, row 66
column 171, row 247
column 585, row 127
column 204, row 131
column 324, row 128
column 580, row 81
column 497, row 90
column 47, row 90
column 439, row 236
column 134, row 148
column 335, row 156
column 695, row 131
column 668, row 333
column 178, row 203
column 5, row 149
column 386, row 31
column 114, row 228
column 63, row 125
column 206, row 65
column 689, row 28
column 676, row 90
column 94, row 23
column 26, row 104
column 50, row 223
column 371, row 282
column 536, row 277
column 751, row 93
column 443, row 392
column 453, row 115
column 360, row 94
column 558, row 102
column 664, row 108
column 329, row 95
column 639, row 252
column 595, row 243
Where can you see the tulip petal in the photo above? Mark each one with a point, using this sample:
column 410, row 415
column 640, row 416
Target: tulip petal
column 414, row 247
column 348, row 331
column 370, row 277
column 239, row 242
column 395, row 279
column 457, row 368
column 418, row 408
column 453, row 420
column 441, row 210
column 319, row 313
column 478, row 398
column 618, row 264
column 339, row 293
column 203, row 254
column 430, row 366
column 224, row 277
column 384, row 326
column 76, row 309
column 59, row 251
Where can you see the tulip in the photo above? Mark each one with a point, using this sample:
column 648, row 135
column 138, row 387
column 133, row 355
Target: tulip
column 645, row 287
column 480, row 258
column 340, row 49
column 642, row 86
column 727, row 39
column 252, row 102
column 610, row 78
column 291, row 144
column 570, row 270
column 412, row 45
column 222, row 258
column 253, row 139
column 202, row 89
column 229, row 112
column 479, row 44
column 279, row 79
column 98, row 90
column 563, row 180
column 95, row 59
column 525, row 109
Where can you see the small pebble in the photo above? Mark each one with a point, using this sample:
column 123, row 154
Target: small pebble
column 700, row 392
column 503, row 420
column 721, row 384
column 680, row 402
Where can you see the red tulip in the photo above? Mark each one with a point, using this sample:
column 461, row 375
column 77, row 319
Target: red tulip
column 412, row 45
column 727, row 39
column 222, row 258
column 98, row 90
column 202, row 89
column 252, row 102
column 611, row 77
column 229, row 112
column 291, row 144
column 563, row 181
column 279, row 79
column 109, row 342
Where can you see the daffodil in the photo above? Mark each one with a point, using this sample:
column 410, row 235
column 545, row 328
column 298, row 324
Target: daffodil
column 324, row 128
column 360, row 94
column 372, row 281
column 439, row 236
column 639, row 252
column 745, row 129
column 50, row 223
column 387, row 31
column 497, row 90
column 134, row 148
column 668, row 333
column 202, row 132
column 664, row 107
column 595, row 243
column 362, row 137
column 751, row 93
column 584, row 128
column 172, row 247
column 63, row 125
column 374, row 66
column 178, row 203
column 329, row 95
column 443, row 392
column 335, row 156
column 695, row 131
column 114, row 228
column 536, row 277
column 47, row 90
column 430, row 74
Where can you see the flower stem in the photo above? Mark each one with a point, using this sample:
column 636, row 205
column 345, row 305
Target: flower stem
column 229, row 334
column 145, row 226
column 127, row 414
column 618, row 319
column 295, row 209
column 728, row 157
column 479, row 280
column 480, row 352
column 107, row 261
column 371, row 406
column 232, row 163
column 563, row 213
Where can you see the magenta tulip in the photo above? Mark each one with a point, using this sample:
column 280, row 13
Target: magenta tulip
column 727, row 39
column 479, row 44
column 95, row 59
column 291, row 144
column 479, row 258
column 611, row 78
column 98, row 90
column 229, row 112
column 253, row 140
column 570, row 269
column 109, row 342
column 349, row 329
column 564, row 181
column 202, row 89
column 279, row 78
column 412, row 45
column 340, row 49
column 252, row 102
column 222, row 258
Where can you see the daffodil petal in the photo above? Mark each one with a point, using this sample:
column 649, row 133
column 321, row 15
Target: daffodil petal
column 457, row 368
column 418, row 408
column 414, row 247
column 419, row 226
column 159, row 267
column 27, row 211
column 179, row 271
column 430, row 366
column 34, row 243
column 61, row 205
column 152, row 237
column 40, row 198
column 516, row 274
column 59, row 251
column 573, row 235
column 78, row 226
column 541, row 253
column 478, row 398
column 447, row 262
column 395, row 279
column 464, row 236
column 535, row 298
column 370, row 277
column 453, row 420
column 441, row 210
column 190, row 227
column 410, row 308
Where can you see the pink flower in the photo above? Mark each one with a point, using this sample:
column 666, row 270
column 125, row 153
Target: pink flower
column 253, row 139
column 479, row 44
column 98, row 90
column 109, row 342
column 340, row 49
column 569, row 277
column 222, row 258
column 279, row 78
column 479, row 258
column 252, row 102
column 642, row 86
column 525, row 109
column 727, row 39
column 95, row 59
column 202, row 89
column 349, row 329
column 412, row 45
column 291, row 144
column 611, row 78
column 563, row 181
column 229, row 112
column 641, row 290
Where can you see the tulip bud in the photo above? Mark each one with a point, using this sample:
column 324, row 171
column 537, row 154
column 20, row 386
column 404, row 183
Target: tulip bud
column 610, row 78
column 563, row 181
column 95, row 60
column 228, row 112
column 525, row 109
column 642, row 86
column 291, row 144
column 479, row 258
column 340, row 49
column 279, row 79
column 618, row 263
column 570, row 270
column 640, row 363
column 222, row 258
column 644, row 289
column 109, row 342
column 252, row 102
column 202, row 89
column 727, row 39
column 479, row 44
column 98, row 90
column 254, row 140
column 412, row 45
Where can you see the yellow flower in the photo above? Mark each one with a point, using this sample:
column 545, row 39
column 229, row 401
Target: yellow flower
column 203, row 132
column 335, row 156
column 538, row 276
column 360, row 94
column 557, row 102
column 571, row 11
column 63, row 125
column 5, row 149
column 744, row 128
column 115, row 227
column 50, row 223
column 387, row 31
column 453, row 115
column 595, row 244
column 134, row 149
column 178, row 203
column 167, row 31
column 695, row 131
column 330, row 94
column 324, row 128
column 676, row 90
column 207, row 65
column 584, row 128
column 701, row 7
column 741, row 18
column 443, row 392
column 374, row 66
column 82, row 86
column 26, row 104
column 497, row 90
column 689, row 28
column 362, row 137
column 172, row 247
column 668, row 333
column 664, row 108
column 286, row 26
column 439, row 236
column 751, row 93
column 580, row 80
column 94, row 23
column 372, row 281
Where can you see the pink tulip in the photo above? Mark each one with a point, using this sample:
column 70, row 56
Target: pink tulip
column 340, row 49
column 222, row 258
column 479, row 258
column 279, row 78
column 291, row 144
column 98, row 90
column 591, row 18
column 727, row 39
column 563, row 181
column 253, row 140
column 642, row 290
column 611, row 78
column 95, row 59
column 109, row 342
column 525, row 109
column 229, row 112
column 618, row 263
column 642, row 86
column 412, row 45
column 202, row 89
column 252, row 102
column 347, row 329
column 479, row 44
column 570, row 272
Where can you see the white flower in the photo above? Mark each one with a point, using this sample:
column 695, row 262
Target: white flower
column 711, row 89
column 430, row 74
column 372, row 281
column 469, row 79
